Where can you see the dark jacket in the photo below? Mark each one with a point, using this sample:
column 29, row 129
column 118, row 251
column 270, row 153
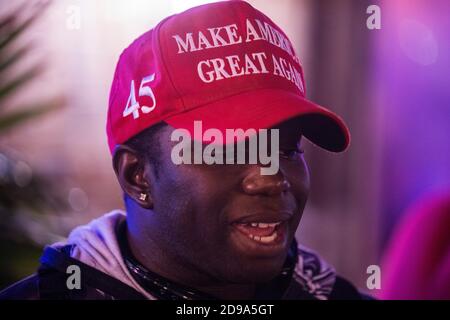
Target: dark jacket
column 97, row 250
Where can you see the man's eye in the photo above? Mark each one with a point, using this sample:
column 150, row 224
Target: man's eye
column 291, row 154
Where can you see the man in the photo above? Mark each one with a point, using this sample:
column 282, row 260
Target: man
column 203, row 229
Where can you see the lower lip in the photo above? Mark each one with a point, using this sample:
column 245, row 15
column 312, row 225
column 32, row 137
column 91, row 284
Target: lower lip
column 254, row 247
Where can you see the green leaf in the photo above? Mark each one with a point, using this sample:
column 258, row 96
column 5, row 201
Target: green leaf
column 12, row 119
column 10, row 19
column 17, row 30
column 12, row 86
column 7, row 62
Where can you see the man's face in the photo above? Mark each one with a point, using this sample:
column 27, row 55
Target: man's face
column 206, row 214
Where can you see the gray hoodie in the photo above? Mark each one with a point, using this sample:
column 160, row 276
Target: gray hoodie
column 96, row 245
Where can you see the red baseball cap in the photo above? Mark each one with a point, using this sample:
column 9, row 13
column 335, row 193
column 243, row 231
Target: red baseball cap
column 224, row 63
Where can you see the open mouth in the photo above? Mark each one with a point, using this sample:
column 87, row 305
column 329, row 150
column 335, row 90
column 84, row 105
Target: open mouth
column 262, row 232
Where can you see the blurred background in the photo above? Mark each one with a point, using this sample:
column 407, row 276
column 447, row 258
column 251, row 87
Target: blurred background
column 391, row 85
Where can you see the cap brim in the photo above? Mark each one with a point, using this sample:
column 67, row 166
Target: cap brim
column 264, row 109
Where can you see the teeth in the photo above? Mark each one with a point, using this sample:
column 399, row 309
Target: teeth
column 274, row 224
column 264, row 225
column 267, row 239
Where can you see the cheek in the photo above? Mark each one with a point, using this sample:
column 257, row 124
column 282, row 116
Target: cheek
column 191, row 199
column 297, row 173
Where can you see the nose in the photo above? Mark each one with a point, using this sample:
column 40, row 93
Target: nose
column 270, row 185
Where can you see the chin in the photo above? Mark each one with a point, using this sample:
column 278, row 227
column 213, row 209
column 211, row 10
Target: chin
column 257, row 271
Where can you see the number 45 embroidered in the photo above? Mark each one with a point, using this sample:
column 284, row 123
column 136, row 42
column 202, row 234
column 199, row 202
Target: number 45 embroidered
column 132, row 106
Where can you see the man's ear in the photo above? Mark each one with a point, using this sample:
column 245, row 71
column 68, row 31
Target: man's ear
column 132, row 173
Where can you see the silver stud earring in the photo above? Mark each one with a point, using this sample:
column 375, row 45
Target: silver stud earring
column 143, row 196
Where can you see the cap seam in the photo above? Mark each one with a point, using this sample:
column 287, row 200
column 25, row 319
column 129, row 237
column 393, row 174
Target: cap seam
column 163, row 62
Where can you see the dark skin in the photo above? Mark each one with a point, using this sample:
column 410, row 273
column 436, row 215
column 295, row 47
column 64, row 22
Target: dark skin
column 184, row 229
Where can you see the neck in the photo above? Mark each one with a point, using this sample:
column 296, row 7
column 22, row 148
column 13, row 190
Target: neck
column 175, row 269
